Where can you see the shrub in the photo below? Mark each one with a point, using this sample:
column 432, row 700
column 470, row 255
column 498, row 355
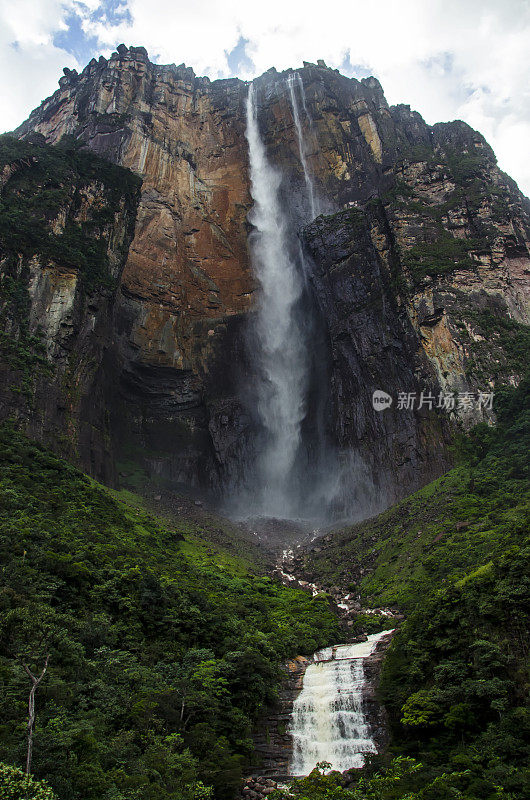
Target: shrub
column 16, row 785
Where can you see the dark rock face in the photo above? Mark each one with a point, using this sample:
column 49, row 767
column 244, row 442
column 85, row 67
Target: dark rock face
column 70, row 220
column 374, row 711
column 419, row 270
column 373, row 346
column 273, row 744
column 417, row 285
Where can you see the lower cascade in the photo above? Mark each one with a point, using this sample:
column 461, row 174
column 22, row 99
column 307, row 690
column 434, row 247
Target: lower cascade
column 328, row 722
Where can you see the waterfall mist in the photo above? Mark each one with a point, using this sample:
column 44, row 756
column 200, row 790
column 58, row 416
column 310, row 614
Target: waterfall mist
column 292, row 471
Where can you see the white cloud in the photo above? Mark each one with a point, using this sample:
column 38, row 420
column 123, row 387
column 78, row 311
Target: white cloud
column 30, row 64
column 449, row 59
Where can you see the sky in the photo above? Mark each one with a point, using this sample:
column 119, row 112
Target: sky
column 448, row 59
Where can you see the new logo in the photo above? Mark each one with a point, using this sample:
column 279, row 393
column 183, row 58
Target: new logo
column 381, row 400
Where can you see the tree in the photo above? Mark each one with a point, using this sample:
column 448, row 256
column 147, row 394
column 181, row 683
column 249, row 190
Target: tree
column 421, row 709
column 29, row 635
column 16, row 785
column 31, row 707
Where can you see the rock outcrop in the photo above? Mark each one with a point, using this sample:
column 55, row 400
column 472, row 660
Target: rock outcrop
column 258, row 788
column 419, row 265
column 186, row 282
column 374, row 711
column 273, row 744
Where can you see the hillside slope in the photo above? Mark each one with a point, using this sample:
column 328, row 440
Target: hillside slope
column 164, row 647
column 442, row 532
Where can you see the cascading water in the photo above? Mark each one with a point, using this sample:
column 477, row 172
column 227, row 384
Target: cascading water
column 291, row 471
column 328, row 722
column 281, row 385
column 292, row 81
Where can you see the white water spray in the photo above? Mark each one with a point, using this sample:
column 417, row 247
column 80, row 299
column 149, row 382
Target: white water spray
column 328, row 722
column 293, row 80
column 281, row 384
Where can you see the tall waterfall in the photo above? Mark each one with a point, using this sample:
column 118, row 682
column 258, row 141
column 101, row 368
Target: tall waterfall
column 328, row 723
column 281, row 384
column 292, row 471
column 293, row 81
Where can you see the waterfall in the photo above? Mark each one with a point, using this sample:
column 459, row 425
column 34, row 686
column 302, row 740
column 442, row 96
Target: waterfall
column 292, row 471
column 280, row 386
column 291, row 80
column 328, row 723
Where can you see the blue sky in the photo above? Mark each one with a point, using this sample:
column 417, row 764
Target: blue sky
column 448, row 59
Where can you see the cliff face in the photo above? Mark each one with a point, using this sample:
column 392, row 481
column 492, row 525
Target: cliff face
column 66, row 223
column 419, row 264
column 186, row 282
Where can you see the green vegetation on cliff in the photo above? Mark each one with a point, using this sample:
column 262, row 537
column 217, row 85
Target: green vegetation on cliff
column 484, row 207
column 445, row 254
column 163, row 647
column 499, row 347
column 42, row 182
column 455, row 556
column 59, row 205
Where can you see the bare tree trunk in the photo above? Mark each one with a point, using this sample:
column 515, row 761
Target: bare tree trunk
column 31, row 708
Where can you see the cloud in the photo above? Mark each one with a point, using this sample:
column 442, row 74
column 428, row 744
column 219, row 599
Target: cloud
column 446, row 58
column 30, row 63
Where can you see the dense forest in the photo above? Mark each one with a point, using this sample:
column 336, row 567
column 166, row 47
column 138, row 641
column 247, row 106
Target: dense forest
column 163, row 647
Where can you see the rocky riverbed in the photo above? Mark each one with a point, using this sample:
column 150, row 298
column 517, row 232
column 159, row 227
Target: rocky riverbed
column 290, row 571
